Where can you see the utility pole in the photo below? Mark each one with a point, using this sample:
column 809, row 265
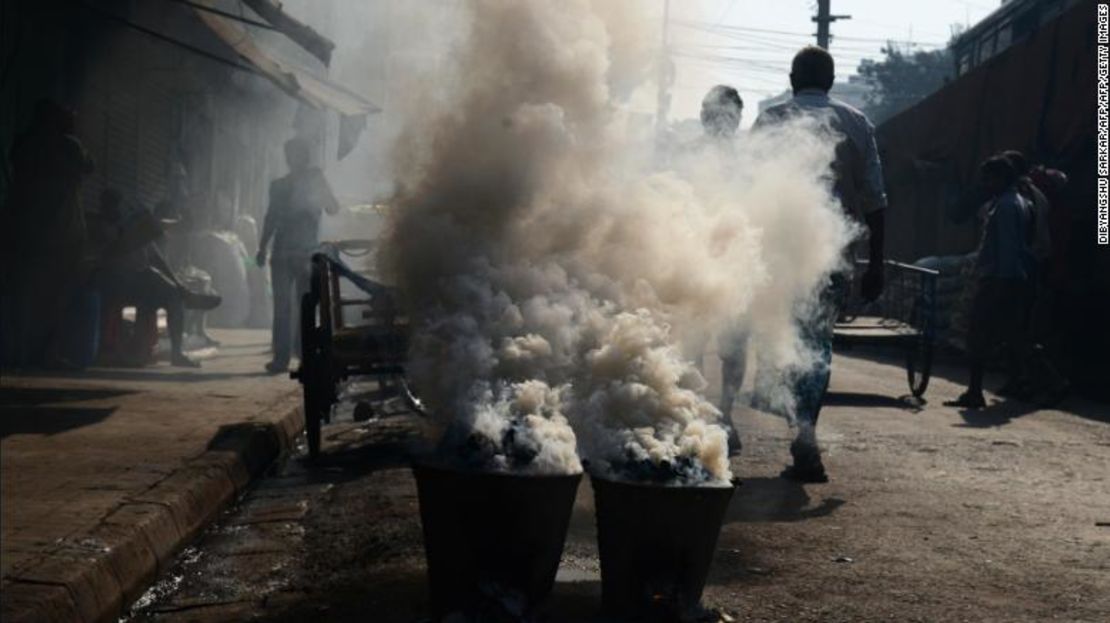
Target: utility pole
column 823, row 19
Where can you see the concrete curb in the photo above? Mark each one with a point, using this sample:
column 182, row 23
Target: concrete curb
column 94, row 576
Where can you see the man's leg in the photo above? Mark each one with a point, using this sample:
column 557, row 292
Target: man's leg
column 175, row 325
column 809, row 392
column 734, row 359
column 144, row 338
column 282, row 284
column 1017, row 317
column 160, row 291
column 979, row 340
column 811, row 385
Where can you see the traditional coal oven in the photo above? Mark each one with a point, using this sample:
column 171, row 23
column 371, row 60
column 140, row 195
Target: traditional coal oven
column 492, row 540
column 656, row 544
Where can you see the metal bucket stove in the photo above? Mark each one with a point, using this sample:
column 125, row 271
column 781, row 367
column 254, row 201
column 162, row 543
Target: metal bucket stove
column 656, row 545
column 492, row 540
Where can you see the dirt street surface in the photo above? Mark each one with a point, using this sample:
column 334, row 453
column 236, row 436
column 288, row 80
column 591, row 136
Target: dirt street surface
column 931, row 515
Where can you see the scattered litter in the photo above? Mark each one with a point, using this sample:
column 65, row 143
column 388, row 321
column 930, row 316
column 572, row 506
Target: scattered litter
column 843, row 559
column 758, row 571
column 1005, row 442
column 1102, row 524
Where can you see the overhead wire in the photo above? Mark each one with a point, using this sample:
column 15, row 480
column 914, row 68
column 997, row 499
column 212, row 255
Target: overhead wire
column 794, row 34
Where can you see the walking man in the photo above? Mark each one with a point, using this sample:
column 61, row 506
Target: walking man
column 858, row 182
column 721, row 111
column 292, row 223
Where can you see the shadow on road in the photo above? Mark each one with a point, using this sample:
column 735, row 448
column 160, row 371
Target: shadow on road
column 859, row 399
column 951, row 367
column 34, row 410
column 157, row 373
column 34, row 420
column 776, row 499
column 33, row 396
column 999, row 413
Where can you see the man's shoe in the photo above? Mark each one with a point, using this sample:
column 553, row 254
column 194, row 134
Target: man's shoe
column 200, row 300
column 967, row 400
column 807, row 466
column 181, row 361
column 277, row 367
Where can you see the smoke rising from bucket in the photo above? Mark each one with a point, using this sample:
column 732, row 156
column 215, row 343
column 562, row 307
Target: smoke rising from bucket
column 553, row 267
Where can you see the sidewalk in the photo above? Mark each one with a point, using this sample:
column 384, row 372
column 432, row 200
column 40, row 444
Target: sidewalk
column 106, row 473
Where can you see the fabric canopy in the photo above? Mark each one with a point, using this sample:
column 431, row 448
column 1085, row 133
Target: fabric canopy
column 316, row 44
column 314, row 90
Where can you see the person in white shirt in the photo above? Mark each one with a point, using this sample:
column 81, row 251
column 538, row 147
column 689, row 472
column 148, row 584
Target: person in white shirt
column 721, row 111
column 857, row 179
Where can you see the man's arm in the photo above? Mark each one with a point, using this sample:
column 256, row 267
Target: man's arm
column 325, row 196
column 875, row 189
column 875, row 203
column 876, row 228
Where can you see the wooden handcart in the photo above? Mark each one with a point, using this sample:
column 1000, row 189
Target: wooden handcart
column 335, row 347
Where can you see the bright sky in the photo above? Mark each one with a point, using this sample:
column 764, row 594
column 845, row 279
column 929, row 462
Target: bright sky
column 728, row 41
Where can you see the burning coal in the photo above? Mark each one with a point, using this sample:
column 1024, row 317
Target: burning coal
column 552, row 268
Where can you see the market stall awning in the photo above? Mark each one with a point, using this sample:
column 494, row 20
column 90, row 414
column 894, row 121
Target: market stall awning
column 315, row 91
column 316, row 44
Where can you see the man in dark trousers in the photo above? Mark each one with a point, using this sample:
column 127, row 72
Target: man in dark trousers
column 857, row 179
column 1004, row 271
column 293, row 224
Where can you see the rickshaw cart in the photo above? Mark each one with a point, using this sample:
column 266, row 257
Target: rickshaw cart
column 904, row 316
column 334, row 349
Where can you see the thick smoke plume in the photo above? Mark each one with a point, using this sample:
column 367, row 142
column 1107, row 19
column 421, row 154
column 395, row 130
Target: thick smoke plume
column 553, row 266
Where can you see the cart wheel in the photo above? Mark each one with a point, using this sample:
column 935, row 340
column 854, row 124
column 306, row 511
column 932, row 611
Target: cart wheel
column 312, row 372
column 919, row 361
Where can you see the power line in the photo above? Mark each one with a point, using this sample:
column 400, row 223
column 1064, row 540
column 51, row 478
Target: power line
column 709, row 48
column 795, row 34
column 779, row 45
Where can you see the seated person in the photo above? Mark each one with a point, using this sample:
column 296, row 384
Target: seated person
column 134, row 271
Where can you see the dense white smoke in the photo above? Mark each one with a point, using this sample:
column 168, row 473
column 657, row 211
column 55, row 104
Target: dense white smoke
column 553, row 266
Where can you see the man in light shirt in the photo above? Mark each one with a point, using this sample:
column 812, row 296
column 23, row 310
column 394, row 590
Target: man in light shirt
column 721, row 111
column 857, row 181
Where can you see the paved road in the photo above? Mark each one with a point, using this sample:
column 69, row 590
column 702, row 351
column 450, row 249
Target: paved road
column 931, row 515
